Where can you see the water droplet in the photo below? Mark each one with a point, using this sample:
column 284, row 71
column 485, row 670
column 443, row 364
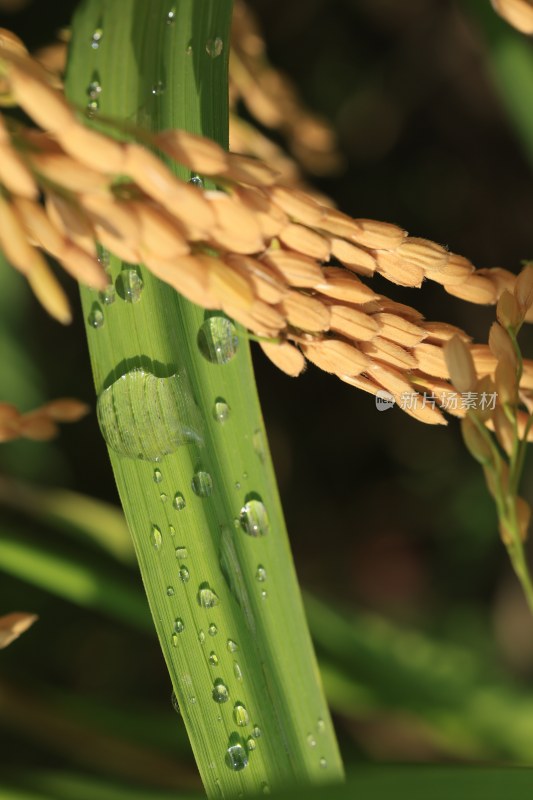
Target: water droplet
column 245, row 476
column 170, row 591
column 201, row 637
column 103, row 257
column 323, row 763
column 179, row 625
column 129, row 285
column 256, row 733
column 107, row 295
column 237, row 671
column 171, row 17
column 184, row 575
column 94, row 89
column 213, row 658
column 92, row 108
column 220, row 692
column 207, row 598
column 175, row 639
column 232, row 646
column 196, row 181
column 320, row 725
column 214, row 47
column 172, row 530
column 254, row 518
column 261, row 574
column 236, row 757
column 188, row 51
column 192, row 700
column 217, row 339
column 175, row 704
column 156, row 538
column 202, row 484
column 237, row 486
column 311, row 741
column 163, row 497
column 221, row 410
column 212, row 630
column 265, row 788
column 142, row 416
column 264, row 594
column 258, row 443
column 251, row 744
column 179, row 501
column 182, row 552
column 158, row 476
column 240, row 715
column 158, row 88
column 96, row 38
column 96, row 316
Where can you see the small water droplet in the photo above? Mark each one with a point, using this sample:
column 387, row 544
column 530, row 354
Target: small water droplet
column 258, row 443
column 184, row 575
column 201, row 637
column 170, row 591
column 251, row 744
column 254, row 518
column 96, row 317
column 237, row 671
column 129, row 285
column 103, row 257
column 158, row 476
column 171, row 17
column 156, row 538
column 320, row 725
column 213, row 658
column 107, row 295
column 212, row 629
column 236, row 757
column 240, row 715
column 311, row 741
column 96, row 38
column 182, row 552
column 158, row 88
column 245, row 476
column 196, row 181
column 217, row 339
column 179, row 625
column 232, row 646
column 214, row 47
column 261, row 574
column 265, row 788
column 237, row 486
column 207, row 598
column 94, row 89
column 188, row 51
column 264, row 594
column 92, row 108
column 202, row 484
column 179, row 501
column 175, row 704
column 220, row 692
column 221, row 410
column 256, row 733
column 192, row 700
column 163, row 497
column 323, row 763
column 175, row 639
column 172, row 530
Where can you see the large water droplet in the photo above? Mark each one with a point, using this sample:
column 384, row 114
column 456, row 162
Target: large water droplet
column 236, row 757
column 202, row 484
column 96, row 38
column 254, row 518
column 96, row 316
column 217, row 339
column 261, row 574
column 155, row 537
column 220, row 692
column 179, row 501
column 212, row 629
column 107, row 295
column 232, row 646
column 129, row 285
column 213, row 658
column 184, row 575
column 214, row 47
column 221, row 410
column 142, row 416
column 207, row 598
column 240, row 715
column 182, row 552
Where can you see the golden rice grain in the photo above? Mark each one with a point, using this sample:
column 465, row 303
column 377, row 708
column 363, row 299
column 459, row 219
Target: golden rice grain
column 71, row 222
column 235, row 228
column 61, row 170
column 460, row 365
column 430, row 359
column 422, row 253
column 38, row 427
column 14, row 174
column 285, row 356
column 378, row 235
column 342, row 285
column 304, row 312
column 442, row 332
column 266, row 281
column 296, row 204
column 352, row 323
column 484, row 361
column 14, row 242
column 269, row 217
column 518, row 13
column 195, row 152
column 306, row 241
column 45, row 105
column 14, row 625
column 523, row 289
column 49, row 292
column 249, row 171
column 508, row 311
column 399, row 330
column 360, row 382
column 454, row 272
column 398, row 271
column 501, row 345
column 298, row 270
column 501, row 278
column 92, row 149
column 353, row 257
column 65, row 409
column 504, row 429
column 158, row 231
column 475, row 289
column 389, row 353
column 336, row 356
column 229, row 285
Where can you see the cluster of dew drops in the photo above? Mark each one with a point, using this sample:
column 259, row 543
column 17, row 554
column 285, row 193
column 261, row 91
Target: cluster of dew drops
column 213, row 48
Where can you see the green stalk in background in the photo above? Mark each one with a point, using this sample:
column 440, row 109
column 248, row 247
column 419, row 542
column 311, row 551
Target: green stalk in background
column 178, row 407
